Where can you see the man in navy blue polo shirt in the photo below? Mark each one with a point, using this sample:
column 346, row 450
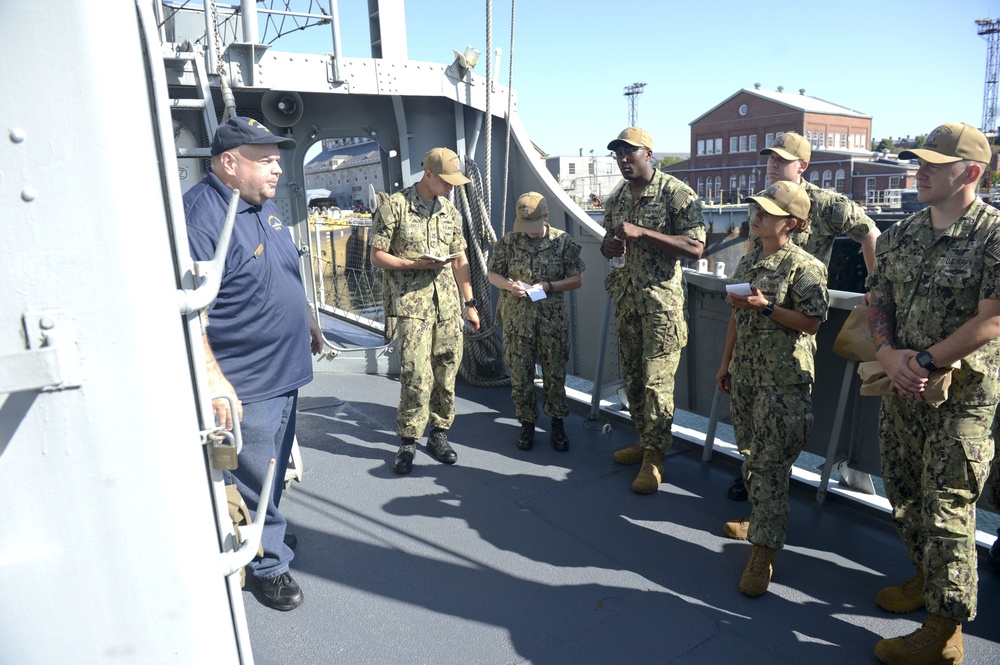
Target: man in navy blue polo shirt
column 259, row 331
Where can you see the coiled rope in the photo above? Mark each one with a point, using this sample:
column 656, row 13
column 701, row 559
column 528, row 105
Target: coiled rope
column 482, row 358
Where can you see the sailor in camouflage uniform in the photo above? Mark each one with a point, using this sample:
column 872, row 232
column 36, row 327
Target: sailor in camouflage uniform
column 417, row 240
column 830, row 215
column 654, row 220
column 535, row 255
column 767, row 368
column 935, row 300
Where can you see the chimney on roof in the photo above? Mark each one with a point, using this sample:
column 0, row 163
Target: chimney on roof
column 781, row 88
column 802, row 91
column 756, row 86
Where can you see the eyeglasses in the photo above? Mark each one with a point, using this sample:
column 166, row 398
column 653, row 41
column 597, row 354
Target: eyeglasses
column 626, row 152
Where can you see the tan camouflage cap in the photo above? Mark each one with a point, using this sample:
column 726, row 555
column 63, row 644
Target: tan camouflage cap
column 445, row 163
column 790, row 146
column 632, row 136
column 530, row 213
column 784, row 199
column 952, row 142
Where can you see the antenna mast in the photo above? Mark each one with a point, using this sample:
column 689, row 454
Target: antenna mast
column 990, row 31
column 633, row 91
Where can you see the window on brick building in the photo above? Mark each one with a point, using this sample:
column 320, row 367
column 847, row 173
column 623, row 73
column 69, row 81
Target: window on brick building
column 753, row 143
column 827, row 179
column 701, row 147
column 769, row 138
column 732, row 188
column 814, row 178
column 869, row 185
column 701, row 187
column 743, row 144
column 718, row 185
column 752, row 187
column 718, row 146
column 894, row 182
column 732, row 144
column 838, row 181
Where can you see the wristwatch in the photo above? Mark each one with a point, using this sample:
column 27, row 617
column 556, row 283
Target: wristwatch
column 471, row 303
column 926, row 361
column 768, row 309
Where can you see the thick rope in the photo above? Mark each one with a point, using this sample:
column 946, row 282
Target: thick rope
column 488, row 117
column 510, row 105
column 482, row 358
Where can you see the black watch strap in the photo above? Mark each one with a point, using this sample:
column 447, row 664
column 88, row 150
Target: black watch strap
column 471, row 303
column 768, row 309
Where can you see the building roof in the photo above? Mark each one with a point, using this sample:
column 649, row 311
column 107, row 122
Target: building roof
column 800, row 101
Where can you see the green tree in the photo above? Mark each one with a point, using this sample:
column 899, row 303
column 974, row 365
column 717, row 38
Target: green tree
column 919, row 141
column 667, row 161
column 886, row 144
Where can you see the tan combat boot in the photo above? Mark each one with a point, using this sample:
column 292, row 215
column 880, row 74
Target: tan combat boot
column 631, row 455
column 939, row 640
column 651, row 474
column 737, row 529
column 757, row 574
column 903, row 598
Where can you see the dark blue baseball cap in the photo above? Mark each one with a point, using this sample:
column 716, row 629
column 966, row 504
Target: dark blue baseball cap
column 239, row 130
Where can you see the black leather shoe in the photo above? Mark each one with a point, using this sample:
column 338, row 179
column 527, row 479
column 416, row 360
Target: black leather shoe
column 526, row 439
column 437, row 445
column 738, row 490
column 558, row 435
column 403, row 462
column 291, row 542
column 281, row 592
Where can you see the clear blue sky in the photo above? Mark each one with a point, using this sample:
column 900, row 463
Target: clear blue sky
column 910, row 64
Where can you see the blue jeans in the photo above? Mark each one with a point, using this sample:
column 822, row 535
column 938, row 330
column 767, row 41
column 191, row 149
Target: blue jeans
column 268, row 429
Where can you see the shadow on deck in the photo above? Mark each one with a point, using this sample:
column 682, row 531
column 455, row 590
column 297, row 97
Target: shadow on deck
column 546, row 557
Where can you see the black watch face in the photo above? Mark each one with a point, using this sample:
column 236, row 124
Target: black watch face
column 471, row 303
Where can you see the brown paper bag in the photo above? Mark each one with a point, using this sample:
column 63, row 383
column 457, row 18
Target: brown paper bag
column 854, row 341
column 875, row 382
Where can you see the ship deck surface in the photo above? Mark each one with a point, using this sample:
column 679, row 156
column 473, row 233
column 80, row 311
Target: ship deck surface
column 546, row 557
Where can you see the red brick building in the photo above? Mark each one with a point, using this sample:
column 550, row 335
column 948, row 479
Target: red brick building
column 725, row 164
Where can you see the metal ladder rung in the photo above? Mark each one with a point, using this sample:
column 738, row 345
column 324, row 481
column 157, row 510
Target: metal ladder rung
column 188, row 104
column 194, row 152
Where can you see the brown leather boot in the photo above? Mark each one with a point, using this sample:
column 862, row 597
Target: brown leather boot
column 737, row 529
column 651, row 474
column 903, row 598
column 757, row 574
column 630, row 455
column 938, row 641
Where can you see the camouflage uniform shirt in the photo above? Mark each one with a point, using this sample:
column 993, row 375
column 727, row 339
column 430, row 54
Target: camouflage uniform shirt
column 766, row 352
column 405, row 227
column 550, row 258
column 936, row 285
column 652, row 278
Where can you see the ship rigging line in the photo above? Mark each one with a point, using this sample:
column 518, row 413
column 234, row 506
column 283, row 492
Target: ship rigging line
column 482, row 358
column 510, row 103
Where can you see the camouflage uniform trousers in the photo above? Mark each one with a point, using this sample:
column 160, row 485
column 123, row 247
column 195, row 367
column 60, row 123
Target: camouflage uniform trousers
column 934, row 465
column 430, row 352
column 993, row 484
column 649, row 350
column 550, row 344
column 771, row 425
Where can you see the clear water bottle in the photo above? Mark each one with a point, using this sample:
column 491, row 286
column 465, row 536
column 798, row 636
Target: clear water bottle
column 618, row 261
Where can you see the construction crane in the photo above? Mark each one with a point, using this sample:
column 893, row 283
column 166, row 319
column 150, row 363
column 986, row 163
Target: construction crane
column 632, row 92
column 990, row 31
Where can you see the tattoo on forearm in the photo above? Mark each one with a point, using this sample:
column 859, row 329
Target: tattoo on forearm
column 881, row 320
